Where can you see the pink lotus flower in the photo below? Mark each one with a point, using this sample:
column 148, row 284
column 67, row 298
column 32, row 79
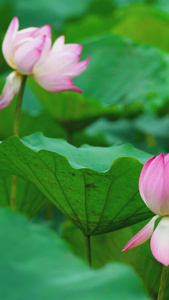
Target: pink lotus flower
column 29, row 52
column 154, row 190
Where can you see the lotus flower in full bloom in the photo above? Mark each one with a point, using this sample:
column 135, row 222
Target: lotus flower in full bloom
column 29, row 52
column 154, row 190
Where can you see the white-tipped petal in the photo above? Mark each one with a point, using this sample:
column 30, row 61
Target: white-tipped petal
column 78, row 68
column 58, row 44
column 160, row 242
column 58, row 63
column 8, row 39
column 25, row 33
column 75, row 48
column 46, row 32
column 11, row 87
column 28, row 54
column 56, row 83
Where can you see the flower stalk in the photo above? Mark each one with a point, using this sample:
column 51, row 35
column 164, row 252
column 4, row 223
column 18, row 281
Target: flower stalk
column 17, row 117
column 163, row 280
column 88, row 249
column 16, row 130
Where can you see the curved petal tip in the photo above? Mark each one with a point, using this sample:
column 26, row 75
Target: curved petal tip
column 142, row 236
column 10, row 34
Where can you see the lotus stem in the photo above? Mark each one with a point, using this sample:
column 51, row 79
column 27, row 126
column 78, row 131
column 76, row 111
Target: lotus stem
column 88, row 249
column 17, row 118
column 163, row 280
column 16, row 130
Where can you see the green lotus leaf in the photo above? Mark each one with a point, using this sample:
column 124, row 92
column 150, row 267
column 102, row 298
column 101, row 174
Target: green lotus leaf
column 96, row 188
column 29, row 200
column 122, row 80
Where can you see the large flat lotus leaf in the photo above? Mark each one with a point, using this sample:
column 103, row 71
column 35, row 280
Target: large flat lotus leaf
column 72, row 110
column 121, row 3
column 89, row 26
column 123, row 73
column 151, row 124
column 53, row 12
column 29, row 200
column 146, row 132
column 155, row 129
column 97, row 188
column 162, row 5
column 36, row 264
column 105, row 133
column 143, row 23
column 122, row 79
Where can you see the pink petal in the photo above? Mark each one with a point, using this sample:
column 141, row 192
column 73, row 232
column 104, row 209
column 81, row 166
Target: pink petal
column 76, row 89
column 22, row 37
column 142, row 236
column 166, row 159
column 75, row 48
column 58, row 44
column 28, row 54
column 56, row 83
column 142, row 175
column 160, row 242
column 11, row 87
column 78, row 68
column 24, row 33
column 164, row 208
column 57, row 63
column 9, row 37
column 153, row 184
column 45, row 31
column 33, row 32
